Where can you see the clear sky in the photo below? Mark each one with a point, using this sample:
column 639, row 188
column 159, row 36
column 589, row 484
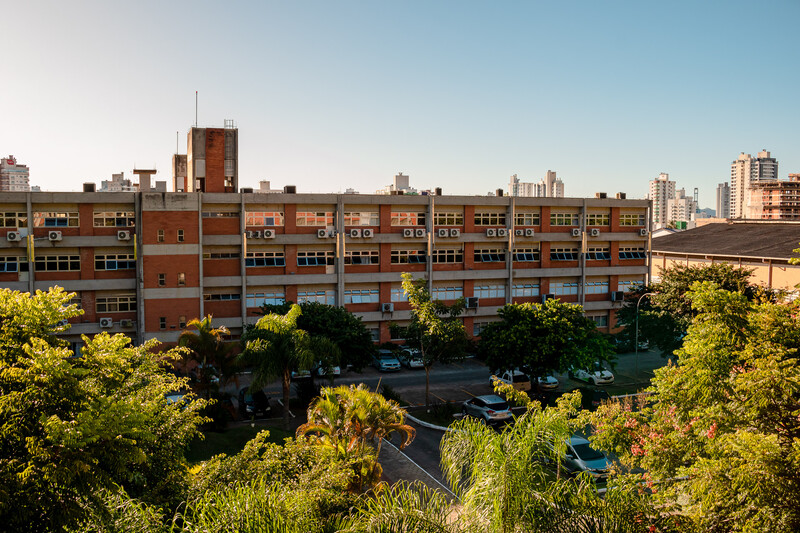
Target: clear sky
column 459, row 94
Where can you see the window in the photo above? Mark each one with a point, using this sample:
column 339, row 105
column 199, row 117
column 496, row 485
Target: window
column 564, row 287
column 597, row 219
column 162, row 280
column 361, row 296
column 563, row 219
column 526, row 254
column 402, row 257
column 448, row 256
column 182, row 321
column 180, row 235
column 629, row 252
column 315, row 218
column 628, row 285
column 221, row 255
column 324, row 297
column 162, row 322
column 526, row 219
column 525, row 290
column 447, row 293
column 13, row 219
column 478, row 327
column 116, row 304
column 222, row 297
column 361, row 218
column 13, row 264
column 564, row 254
column 375, row 334
column 596, row 287
column 160, row 235
column 229, row 171
column 56, row 219
column 268, row 297
column 598, row 253
column 315, row 258
column 601, row 321
column 490, row 255
column 220, row 214
column 448, row 219
column 490, row 291
column 490, row 219
column 361, row 257
column 76, row 301
column 399, row 295
column 264, row 218
column 408, row 218
column 57, row 263
column 631, row 219
column 181, row 279
column 265, row 259
column 114, row 262
column 114, row 219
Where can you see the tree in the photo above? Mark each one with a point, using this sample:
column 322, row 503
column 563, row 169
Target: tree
column 276, row 346
column 207, row 349
column 666, row 314
column 70, row 426
column 720, row 429
column 543, row 337
column 435, row 328
column 339, row 325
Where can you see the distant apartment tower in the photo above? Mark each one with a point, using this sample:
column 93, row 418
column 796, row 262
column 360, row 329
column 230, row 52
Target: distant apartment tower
column 401, row 184
column 723, row 207
column 746, row 171
column 549, row 187
column 681, row 210
column 212, row 159
column 14, row 177
column 117, row 183
column 775, row 199
column 662, row 190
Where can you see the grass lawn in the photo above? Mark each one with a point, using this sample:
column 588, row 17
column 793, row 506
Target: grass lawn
column 230, row 441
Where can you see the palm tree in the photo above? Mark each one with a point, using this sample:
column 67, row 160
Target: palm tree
column 207, row 349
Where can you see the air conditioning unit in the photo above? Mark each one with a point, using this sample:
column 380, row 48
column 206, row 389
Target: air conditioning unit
column 54, row 235
column 408, row 232
column 322, row 234
column 368, row 233
column 576, row 232
column 519, row 232
column 443, row 232
column 106, row 322
column 455, row 232
column 502, row 232
column 14, row 236
column 419, row 232
column 617, row 296
column 546, row 297
column 594, row 232
column 269, row 233
column 387, row 308
column 472, row 302
column 491, row 232
column 355, row 233
column 123, row 235
column 643, row 232
column 530, row 232
column 126, row 323
column 253, row 234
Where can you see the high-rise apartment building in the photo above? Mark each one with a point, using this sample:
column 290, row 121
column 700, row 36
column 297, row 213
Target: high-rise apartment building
column 681, row 210
column 662, row 190
column 723, row 205
column 117, row 183
column 212, row 160
column 775, row 199
column 549, row 187
column 746, row 171
column 13, row 176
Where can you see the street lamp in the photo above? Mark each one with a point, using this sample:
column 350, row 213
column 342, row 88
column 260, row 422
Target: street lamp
column 636, row 333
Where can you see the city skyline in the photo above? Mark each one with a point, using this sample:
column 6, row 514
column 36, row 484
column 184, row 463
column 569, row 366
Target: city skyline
column 459, row 96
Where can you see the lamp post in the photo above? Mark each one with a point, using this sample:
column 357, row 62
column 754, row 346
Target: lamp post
column 636, row 332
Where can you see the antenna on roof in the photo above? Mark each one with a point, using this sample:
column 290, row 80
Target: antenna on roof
column 177, row 141
column 195, row 109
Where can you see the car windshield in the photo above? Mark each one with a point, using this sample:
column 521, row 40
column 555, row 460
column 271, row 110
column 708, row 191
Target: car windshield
column 586, row 452
column 386, row 356
column 520, row 378
column 499, row 406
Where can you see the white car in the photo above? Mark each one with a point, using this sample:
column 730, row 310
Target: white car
column 518, row 379
column 597, row 376
column 547, row 382
column 410, row 358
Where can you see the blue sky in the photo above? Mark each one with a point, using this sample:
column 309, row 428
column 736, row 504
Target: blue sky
column 458, row 94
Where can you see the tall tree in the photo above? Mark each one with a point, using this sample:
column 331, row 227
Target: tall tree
column 436, row 329
column 207, row 348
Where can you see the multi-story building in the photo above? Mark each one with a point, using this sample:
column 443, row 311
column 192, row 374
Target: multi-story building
column 549, row 187
column 681, row 210
column 146, row 263
column 745, row 172
column 212, row 160
column 13, row 176
column 723, row 205
column 775, row 199
column 662, row 190
column 117, row 183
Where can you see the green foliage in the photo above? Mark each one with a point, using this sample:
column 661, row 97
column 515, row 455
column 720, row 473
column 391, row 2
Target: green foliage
column 723, row 423
column 543, row 337
column 70, row 426
column 207, row 348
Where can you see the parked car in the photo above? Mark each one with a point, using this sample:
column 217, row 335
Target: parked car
column 301, row 374
column 517, row 378
column 491, row 409
column 323, row 372
column 597, row 376
column 547, row 382
column 581, row 457
column 385, row 361
column 253, row 403
column 410, row 358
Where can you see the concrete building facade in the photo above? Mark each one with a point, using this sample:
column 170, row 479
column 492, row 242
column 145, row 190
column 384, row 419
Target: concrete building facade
column 681, row 210
column 661, row 191
column 14, row 176
column 212, row 160
column 723, row 205
column 775, row 199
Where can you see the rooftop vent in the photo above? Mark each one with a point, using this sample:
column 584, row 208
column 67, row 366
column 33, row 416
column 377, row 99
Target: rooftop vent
column 621, row 196
column 290, row 189
column 600, row 195
column 89, row 187
column 247, row 190
column 498, row 192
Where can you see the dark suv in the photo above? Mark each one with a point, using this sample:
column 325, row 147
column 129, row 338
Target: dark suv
column 252, row 404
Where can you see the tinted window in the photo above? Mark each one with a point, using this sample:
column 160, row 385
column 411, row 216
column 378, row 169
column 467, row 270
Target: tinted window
column 586, row 453
column 520, row 378
column 500, row 406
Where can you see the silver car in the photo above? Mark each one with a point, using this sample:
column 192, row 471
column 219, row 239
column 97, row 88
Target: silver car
column 581, row 457
column 385, row 361
column 411, row 358
column 491, row 409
